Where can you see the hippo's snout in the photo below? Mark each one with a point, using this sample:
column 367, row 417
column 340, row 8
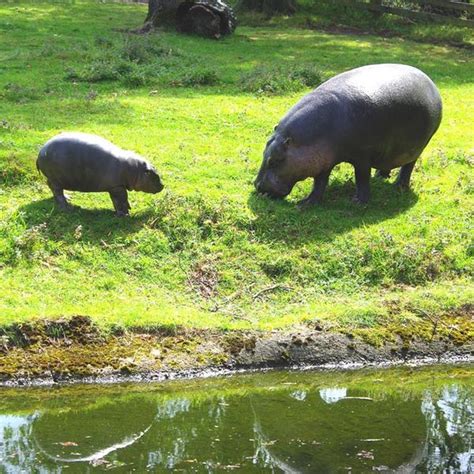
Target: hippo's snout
column 264, row 187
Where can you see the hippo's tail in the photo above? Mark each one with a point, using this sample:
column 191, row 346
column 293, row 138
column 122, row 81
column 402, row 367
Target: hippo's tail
column 40, row 155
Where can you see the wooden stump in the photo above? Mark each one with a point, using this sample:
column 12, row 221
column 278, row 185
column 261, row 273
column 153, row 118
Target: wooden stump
column 208, row 18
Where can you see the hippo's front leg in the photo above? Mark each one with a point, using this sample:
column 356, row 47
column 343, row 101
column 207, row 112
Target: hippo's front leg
column 119, row 198
column 362, row 179
column 316, row 195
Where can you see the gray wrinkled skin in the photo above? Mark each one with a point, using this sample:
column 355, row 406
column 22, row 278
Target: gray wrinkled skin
column 88, row 163
column 379, row 116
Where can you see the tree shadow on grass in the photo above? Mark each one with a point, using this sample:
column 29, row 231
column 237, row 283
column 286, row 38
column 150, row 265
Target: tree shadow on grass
column 282, row 221
column 98, row 226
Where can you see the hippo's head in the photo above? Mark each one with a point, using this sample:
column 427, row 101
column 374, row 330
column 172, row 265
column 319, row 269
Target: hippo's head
column 148, row 180
column 276, row 177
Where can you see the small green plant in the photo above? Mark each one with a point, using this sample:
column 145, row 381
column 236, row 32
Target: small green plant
column 135, row 51
column 103, row 42
column 280, row 80
column 196, row 77
column 14, row 171
column 141, row 50
column 100, row 71
column 19, row 93
column 135, row 62
column 308, row 75
column 134, row 78
column 30, row 242
column 278, row 268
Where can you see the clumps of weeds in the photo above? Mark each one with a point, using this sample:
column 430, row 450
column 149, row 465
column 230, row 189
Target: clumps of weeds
column 20, row 94
column 51, row 49
column 464, row 159
column 14, row 171
column 196, row 77
column 277, row 268
column 135, row 78
column 92, row 95
column 23, row 244
column 99, row 71
column 128, row 73
column 138, row 61
column 142, row 50
column 28, row 244
column 264, row 80
column 362, row 318
column 103, row 42
column 382, row 259
column 187, row 222
column 386, row 260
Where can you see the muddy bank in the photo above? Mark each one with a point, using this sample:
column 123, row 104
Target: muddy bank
column 74, row 350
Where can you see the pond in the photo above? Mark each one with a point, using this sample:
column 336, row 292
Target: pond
column 397, row 420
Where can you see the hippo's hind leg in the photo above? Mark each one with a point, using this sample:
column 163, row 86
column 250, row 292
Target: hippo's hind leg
column 403, row 180
column 58, row 193
column 383, row 174
column 119, row 198
column 316, row 195
column 362, row 179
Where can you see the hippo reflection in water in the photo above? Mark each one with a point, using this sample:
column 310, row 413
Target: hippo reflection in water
column 293, row 428
column 379, row 116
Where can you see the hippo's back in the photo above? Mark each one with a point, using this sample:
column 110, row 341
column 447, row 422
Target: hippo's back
column 388, row 111
column 386, row 83
column 81, row 162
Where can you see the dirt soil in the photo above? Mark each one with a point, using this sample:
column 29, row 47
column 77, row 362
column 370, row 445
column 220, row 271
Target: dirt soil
column 75, row 350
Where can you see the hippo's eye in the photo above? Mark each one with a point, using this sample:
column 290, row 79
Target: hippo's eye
column 275, row 160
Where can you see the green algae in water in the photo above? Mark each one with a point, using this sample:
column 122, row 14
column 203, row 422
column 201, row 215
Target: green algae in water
column 400, row 420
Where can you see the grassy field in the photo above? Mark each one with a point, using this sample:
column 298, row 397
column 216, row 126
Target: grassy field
column 339, row 17
column 208, row 252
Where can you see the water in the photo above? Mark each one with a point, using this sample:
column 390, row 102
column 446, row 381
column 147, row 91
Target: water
column 403, row 420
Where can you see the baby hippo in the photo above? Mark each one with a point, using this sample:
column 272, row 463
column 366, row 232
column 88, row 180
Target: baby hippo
column 88, row 163
column 379, row 116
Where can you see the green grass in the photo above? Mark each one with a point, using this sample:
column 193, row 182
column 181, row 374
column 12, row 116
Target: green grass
column 208, row 252
column 357, row 19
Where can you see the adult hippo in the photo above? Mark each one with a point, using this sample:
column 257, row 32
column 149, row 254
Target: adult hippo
column 83, row 162
column 380, row 116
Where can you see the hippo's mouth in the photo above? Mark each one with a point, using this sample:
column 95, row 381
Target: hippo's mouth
column 271, row 193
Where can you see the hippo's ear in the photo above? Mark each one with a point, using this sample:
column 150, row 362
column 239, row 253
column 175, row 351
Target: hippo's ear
column 147, row 167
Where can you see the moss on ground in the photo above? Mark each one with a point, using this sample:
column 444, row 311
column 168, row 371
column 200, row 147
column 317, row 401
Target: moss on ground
column 77, row 348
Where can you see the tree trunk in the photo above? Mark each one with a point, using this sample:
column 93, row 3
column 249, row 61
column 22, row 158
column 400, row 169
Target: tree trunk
column 208, row 18
column 269, row 7
column 162, row 12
